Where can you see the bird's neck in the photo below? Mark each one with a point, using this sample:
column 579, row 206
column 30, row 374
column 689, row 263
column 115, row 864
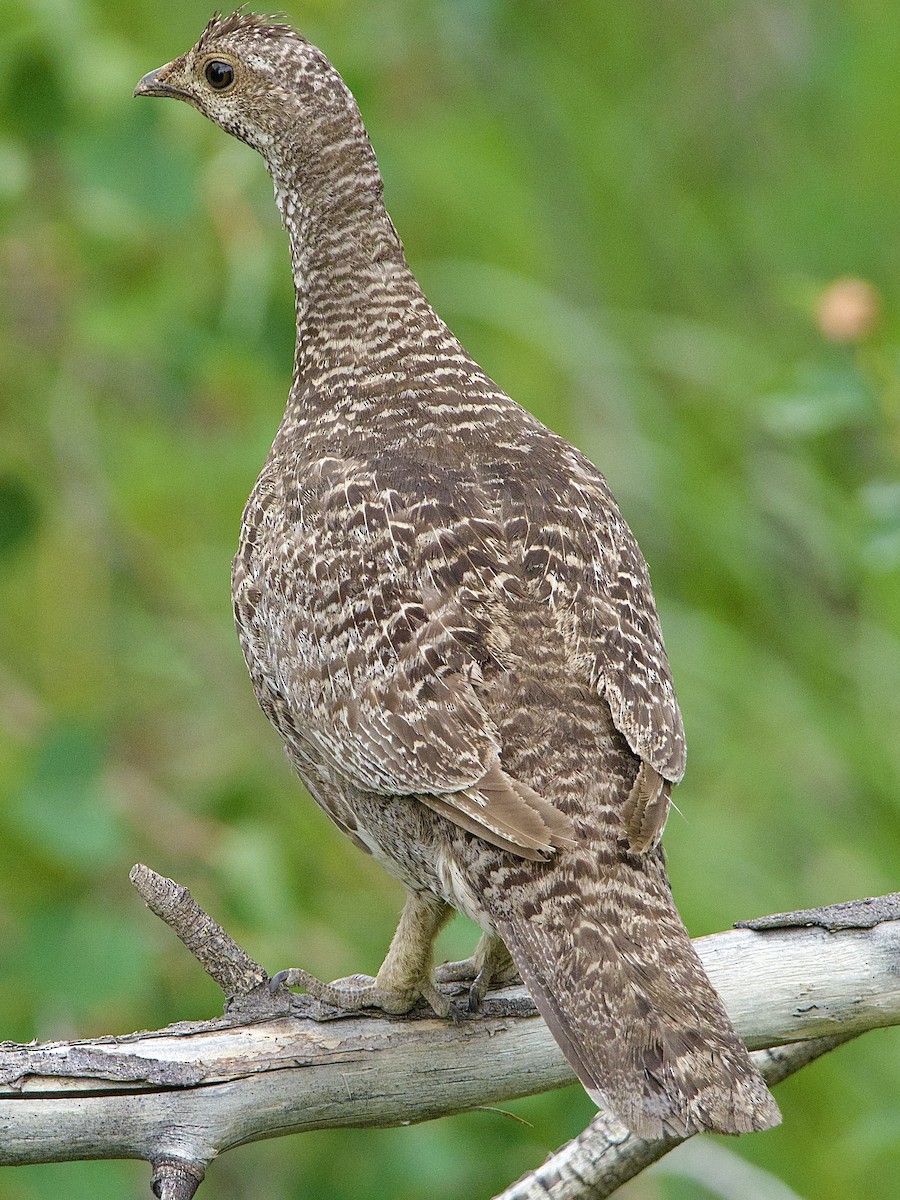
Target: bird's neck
column 358, row 303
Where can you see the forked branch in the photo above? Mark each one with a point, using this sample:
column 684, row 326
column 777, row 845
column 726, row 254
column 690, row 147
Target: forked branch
column 278, row 1063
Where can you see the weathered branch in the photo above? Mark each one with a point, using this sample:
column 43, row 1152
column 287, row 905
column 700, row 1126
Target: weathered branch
column 215, row 950
column 605, row 1155
column 182, row 1095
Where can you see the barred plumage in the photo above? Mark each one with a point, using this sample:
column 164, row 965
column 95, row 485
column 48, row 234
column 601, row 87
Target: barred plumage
column 449, row 623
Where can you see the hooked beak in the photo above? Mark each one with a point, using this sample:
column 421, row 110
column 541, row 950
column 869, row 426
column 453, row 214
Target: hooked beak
column 154, row 84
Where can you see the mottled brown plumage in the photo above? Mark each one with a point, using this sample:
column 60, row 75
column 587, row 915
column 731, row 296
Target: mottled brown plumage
column 450, row 625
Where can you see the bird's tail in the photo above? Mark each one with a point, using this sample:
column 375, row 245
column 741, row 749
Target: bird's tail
column 613, row 972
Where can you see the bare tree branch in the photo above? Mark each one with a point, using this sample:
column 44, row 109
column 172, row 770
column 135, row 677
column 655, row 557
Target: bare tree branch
column 605, row 1155
column 215, row 950
column 174, row 1178
column 277, row 1063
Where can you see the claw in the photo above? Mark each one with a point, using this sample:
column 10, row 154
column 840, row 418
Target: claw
column 279, row 980
column 490, row 966
column 477, row 991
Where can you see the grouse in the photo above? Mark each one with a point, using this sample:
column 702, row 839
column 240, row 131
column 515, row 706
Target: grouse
column 450, row 625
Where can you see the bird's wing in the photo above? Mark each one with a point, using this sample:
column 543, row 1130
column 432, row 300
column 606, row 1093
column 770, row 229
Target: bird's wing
column 579, row 556
column 631, row 662
column 368, row 618
column 405, row 585
column 422, row 731
column 632, row 669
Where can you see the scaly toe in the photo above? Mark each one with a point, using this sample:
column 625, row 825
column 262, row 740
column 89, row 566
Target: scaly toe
column 355, row 992
column 351, row 993
column 441, row 1004
column 463, row 971
column 478, row 990
column 492, row 967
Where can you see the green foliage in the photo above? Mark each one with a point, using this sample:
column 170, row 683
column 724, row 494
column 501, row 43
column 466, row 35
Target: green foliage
column 630, row 214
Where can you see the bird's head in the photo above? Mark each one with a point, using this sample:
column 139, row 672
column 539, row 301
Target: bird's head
column 262, row 82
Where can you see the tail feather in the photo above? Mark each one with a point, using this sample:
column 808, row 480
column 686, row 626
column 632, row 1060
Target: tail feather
column 637, row 1016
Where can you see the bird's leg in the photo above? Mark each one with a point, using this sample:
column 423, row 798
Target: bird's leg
column 404, row 976
column 490, row 966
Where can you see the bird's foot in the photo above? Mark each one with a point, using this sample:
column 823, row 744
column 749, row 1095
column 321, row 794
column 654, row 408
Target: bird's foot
column 356, row 992
column 490, row 966
column 403, row 977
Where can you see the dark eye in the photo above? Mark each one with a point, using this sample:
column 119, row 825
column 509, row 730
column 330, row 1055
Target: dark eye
column 219, row 75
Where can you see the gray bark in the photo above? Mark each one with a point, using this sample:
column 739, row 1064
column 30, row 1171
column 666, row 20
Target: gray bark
column 277, row 1064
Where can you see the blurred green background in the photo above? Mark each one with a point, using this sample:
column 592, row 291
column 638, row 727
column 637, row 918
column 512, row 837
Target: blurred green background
column 634, row 215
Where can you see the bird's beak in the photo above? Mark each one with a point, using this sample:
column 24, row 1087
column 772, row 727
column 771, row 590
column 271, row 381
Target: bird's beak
column 154, row 84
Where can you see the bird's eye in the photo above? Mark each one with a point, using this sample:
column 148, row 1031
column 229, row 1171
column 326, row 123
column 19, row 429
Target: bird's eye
column 219, row 75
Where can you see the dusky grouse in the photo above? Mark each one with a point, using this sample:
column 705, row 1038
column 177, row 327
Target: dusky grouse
column 449, row 623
